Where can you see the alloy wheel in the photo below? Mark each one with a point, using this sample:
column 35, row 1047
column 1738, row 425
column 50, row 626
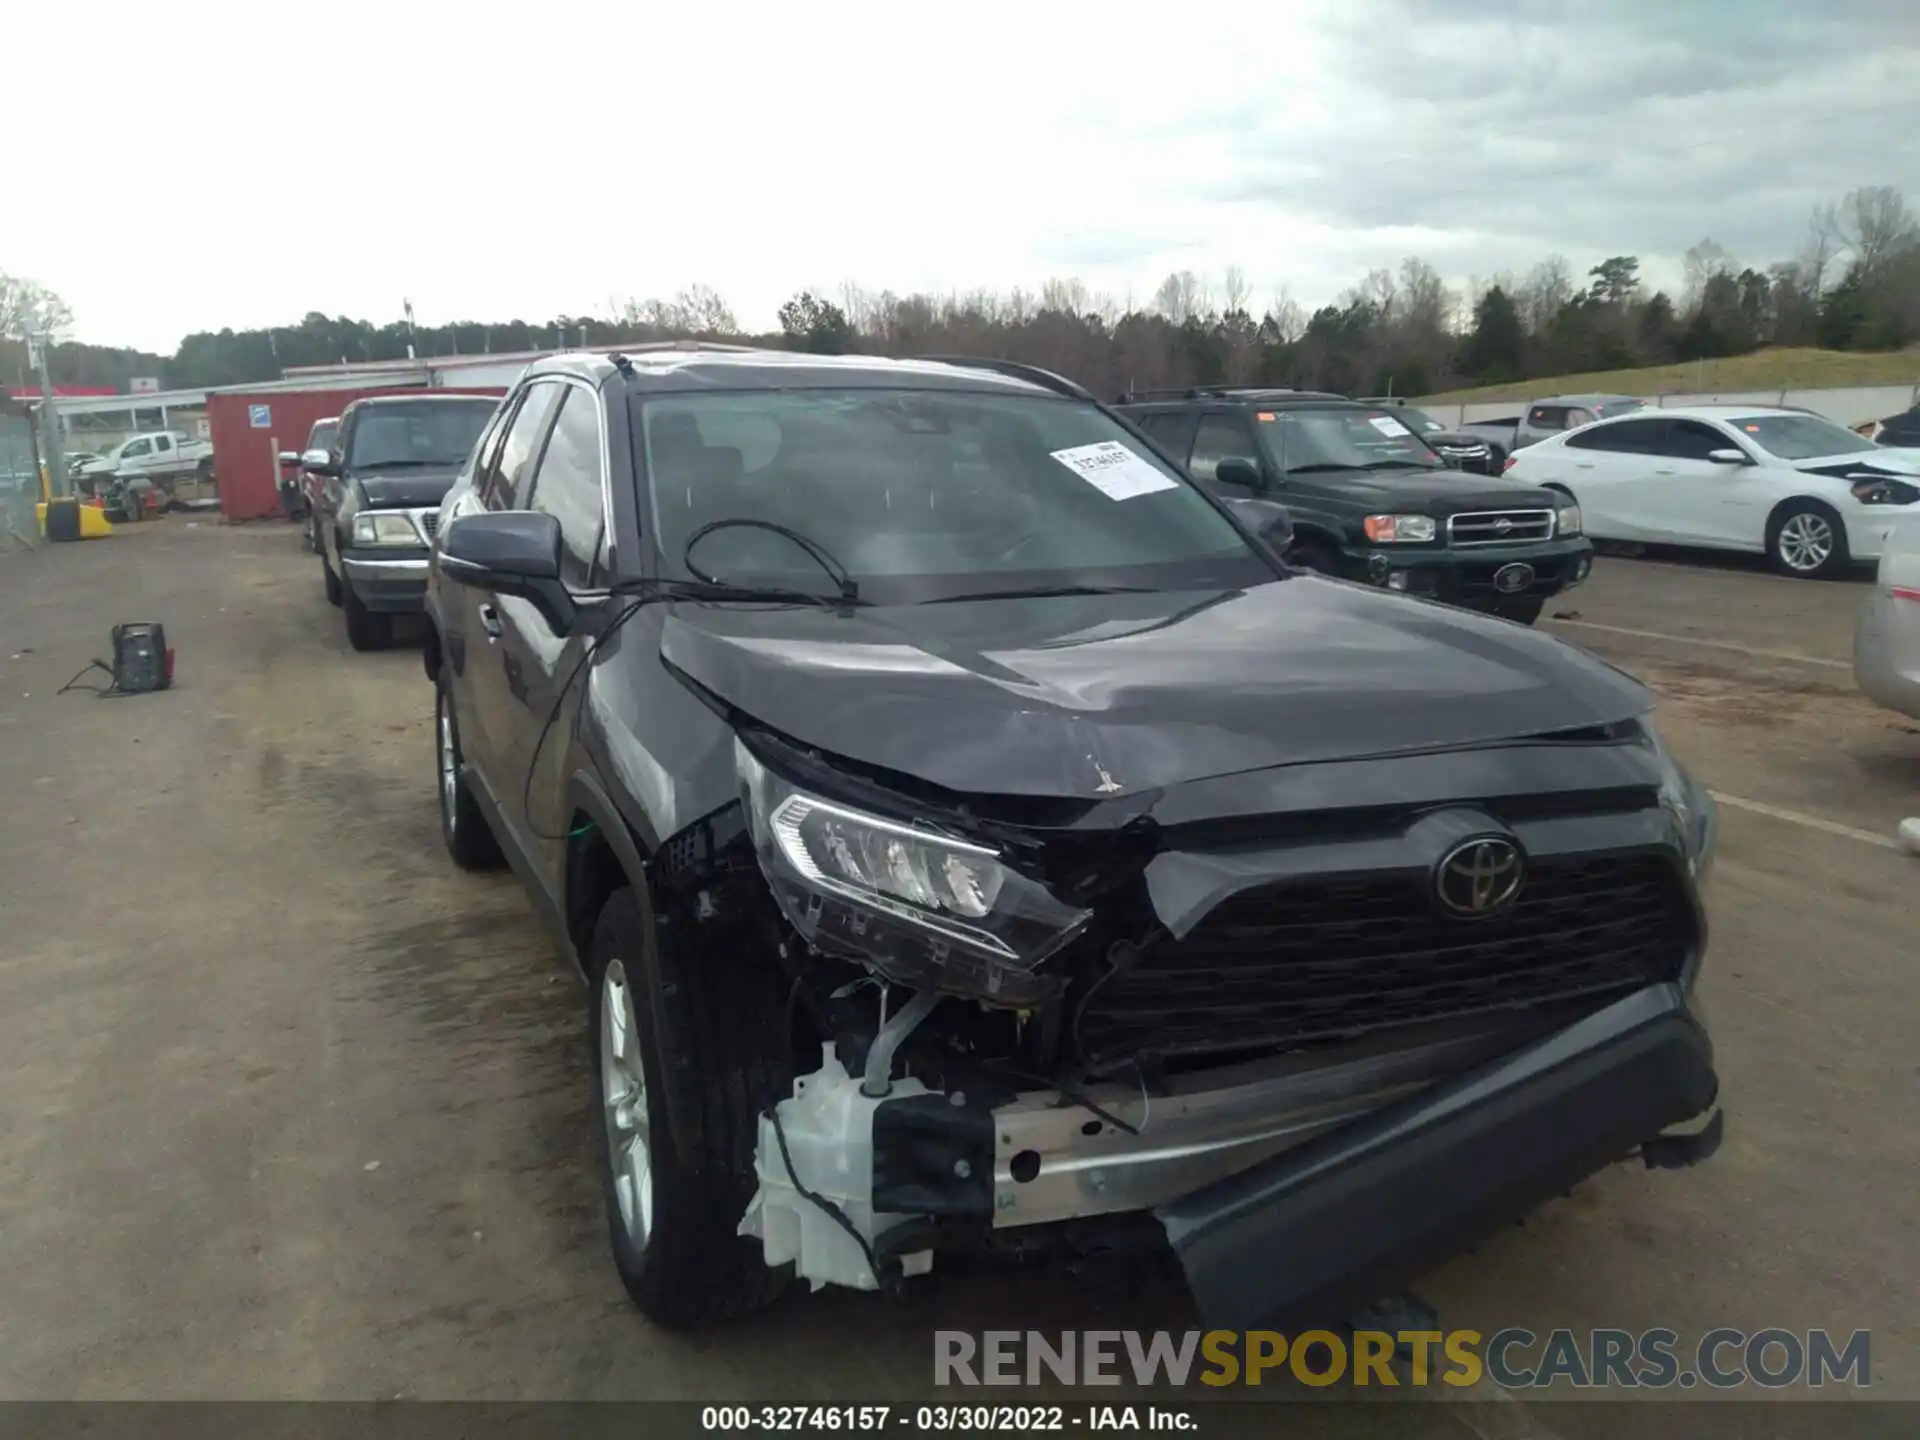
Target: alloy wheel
column 623, row 1098
column 1805, row 542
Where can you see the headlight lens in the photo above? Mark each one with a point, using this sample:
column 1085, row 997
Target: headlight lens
column 1887, row 491
column 1393, row 529
column 1566, row 519
column 378, row 528
column 922, row 907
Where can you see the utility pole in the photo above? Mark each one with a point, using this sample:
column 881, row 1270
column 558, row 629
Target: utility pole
column 408, row 306
column 39, row 343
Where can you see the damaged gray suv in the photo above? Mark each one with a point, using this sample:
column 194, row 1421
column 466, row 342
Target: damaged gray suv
column 975, row 838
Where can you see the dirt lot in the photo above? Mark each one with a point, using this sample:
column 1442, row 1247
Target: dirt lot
column 293, row 1108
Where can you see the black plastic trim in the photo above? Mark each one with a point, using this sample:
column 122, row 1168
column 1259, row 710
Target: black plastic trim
column 1317, row 1233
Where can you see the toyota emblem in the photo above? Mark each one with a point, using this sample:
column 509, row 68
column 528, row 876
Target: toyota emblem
column 1479, row 877
column 1512, row 579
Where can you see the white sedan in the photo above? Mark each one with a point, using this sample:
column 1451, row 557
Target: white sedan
column 1811, row 495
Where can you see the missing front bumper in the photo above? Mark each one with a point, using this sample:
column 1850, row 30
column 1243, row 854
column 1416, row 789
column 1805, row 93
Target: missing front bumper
column 1318, row 1231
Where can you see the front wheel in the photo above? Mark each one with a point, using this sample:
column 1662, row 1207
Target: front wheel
column 366, row 629
column 1807, row 541
column 687, row 1049
column 1315, row 556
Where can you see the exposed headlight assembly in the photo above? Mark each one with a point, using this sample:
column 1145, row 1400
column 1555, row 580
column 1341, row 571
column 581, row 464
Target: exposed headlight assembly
column 377, row 527
column 923, row 908
column 1884, row 490
column 1692, row 808
column 1566, row 519
column 1399, row 529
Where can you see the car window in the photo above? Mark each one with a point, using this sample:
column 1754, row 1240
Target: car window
column 567, row 485
column 1220, row 437
column 1628, row 437
column 416, row 434
column 1801, row 437
column 1690, row 440
column 161, row 442
column 1170, row 429
column 324, row 437
column 1547, row 417
column 1309, row 438
column 922, row 494
column 1577, row 417
column 135, row 448
column 507, row 478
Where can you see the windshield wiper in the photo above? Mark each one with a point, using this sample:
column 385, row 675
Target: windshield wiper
column 836, row 572
column 1318, row 469
column 399, row 464
column 1404, row 465
column 1042, row 592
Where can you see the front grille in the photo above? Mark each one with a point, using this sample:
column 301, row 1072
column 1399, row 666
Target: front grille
column 429, row 522
column 1500, row 527
column 1313, row 962
column 1475, row 582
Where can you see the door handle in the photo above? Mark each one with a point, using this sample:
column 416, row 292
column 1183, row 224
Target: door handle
column 490, row 621
column 1583, row 464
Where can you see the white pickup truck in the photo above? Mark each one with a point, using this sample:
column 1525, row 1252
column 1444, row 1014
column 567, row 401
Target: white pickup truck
column 163, row 457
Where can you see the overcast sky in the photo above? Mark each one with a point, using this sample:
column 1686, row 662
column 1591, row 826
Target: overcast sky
column 241, row 164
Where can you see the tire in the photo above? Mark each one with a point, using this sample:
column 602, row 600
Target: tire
column 1808, row 541
column 711, row 1047
column 366, row 629
column 336, row 592
column 470, row 841
column 1314, row 555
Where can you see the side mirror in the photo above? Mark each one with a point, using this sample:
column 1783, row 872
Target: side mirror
column 510, row 552
column 289, row 458
column 1238, row 470
column 1729, row 456
column 319, row 461
column 1267, row 519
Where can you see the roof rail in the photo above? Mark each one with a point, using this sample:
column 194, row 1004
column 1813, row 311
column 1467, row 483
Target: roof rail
column 1189, row 392
column 1059, row 384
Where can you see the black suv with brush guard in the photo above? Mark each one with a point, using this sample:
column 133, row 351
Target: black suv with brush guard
column 1370, row 498
column 975, row 837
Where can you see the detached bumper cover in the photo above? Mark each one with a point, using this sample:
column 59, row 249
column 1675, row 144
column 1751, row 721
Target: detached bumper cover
column 1321, row 1231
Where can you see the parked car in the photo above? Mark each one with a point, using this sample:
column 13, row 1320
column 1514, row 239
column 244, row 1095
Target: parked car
column 1543, row 418
column 1901, row 431
column 1369, row 500
column 1459, row 448
column 298, row 483
column 161, row 457
column 946, row 799
column 377, row 499
column 1886, row 639
column 1810, row 494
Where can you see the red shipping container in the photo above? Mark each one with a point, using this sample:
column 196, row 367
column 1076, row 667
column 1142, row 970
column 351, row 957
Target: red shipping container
column 250, row 428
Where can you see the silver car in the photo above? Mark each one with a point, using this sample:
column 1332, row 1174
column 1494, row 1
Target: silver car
column 1886, row 640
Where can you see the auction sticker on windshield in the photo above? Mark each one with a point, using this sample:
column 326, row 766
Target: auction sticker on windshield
column 1387, row 425
column 1114, row 470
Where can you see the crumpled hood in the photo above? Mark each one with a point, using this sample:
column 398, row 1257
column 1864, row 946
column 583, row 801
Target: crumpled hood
column 1100, row 696
column 403, row 489
column 1886, row 460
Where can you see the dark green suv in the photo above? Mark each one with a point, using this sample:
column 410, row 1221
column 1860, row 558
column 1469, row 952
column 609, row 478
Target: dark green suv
column 1369, row 499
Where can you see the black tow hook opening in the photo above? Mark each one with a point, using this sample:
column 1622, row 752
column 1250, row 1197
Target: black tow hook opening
column 1679, row 1152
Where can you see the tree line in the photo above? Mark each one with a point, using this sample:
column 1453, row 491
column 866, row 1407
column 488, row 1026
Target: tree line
column 1853, row 284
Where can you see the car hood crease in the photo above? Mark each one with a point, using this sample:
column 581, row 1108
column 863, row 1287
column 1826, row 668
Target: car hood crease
column 1100, row 696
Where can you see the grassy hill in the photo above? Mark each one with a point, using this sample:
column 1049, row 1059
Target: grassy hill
column 1786, row 369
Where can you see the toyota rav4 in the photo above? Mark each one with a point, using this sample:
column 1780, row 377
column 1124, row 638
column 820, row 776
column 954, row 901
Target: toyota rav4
column 974, row 836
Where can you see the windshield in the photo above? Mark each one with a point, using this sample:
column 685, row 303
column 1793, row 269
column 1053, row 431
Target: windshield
column 1419, row 421
column 1304, row 440
column 418, row 432
column 920, row 494
column 1800, row 437
column 1619, row 407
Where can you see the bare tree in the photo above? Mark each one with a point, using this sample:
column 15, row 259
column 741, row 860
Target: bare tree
column 1544, row 293
column 1877, row 225
column 704, row 312
column 1286, row 320
column 1235, row 292
column 1179, row 297
column 1069, row 296
column 1817, row 251
column 27, row 305
column 1702, row 263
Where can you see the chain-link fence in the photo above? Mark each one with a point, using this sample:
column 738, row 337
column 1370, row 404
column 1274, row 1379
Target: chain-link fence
column 19, row 481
